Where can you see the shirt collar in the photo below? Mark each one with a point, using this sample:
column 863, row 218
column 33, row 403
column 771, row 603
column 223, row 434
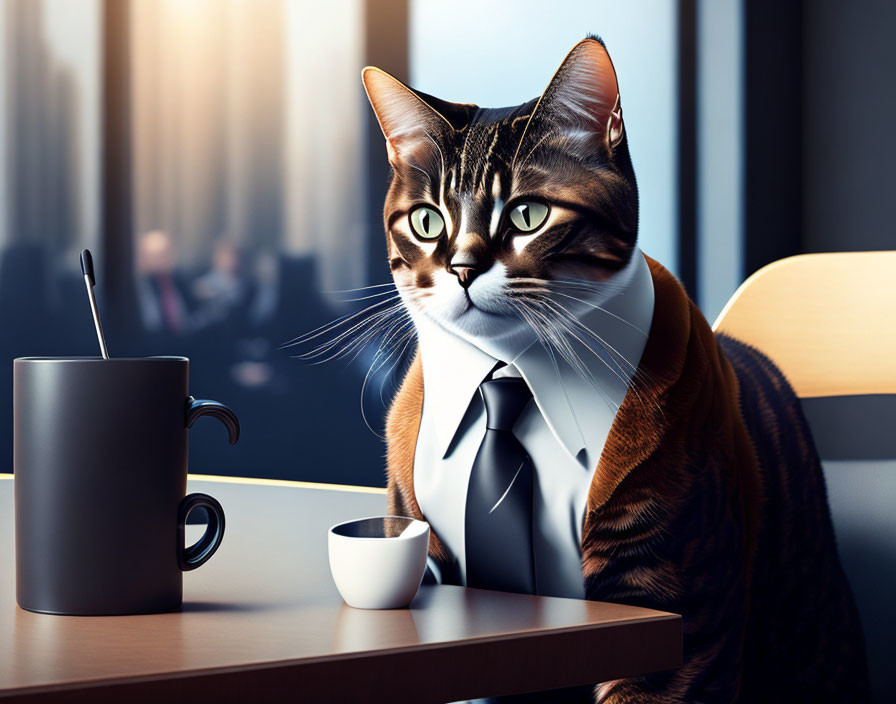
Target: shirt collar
column 453, row 368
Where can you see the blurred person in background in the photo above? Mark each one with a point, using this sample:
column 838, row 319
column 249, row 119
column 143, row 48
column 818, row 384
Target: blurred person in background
column 160, row 294
column 220, row 292
column 266, row 296
column 253, row 367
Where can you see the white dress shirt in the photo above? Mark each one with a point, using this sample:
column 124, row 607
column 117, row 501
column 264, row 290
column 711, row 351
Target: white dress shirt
column 563, row 430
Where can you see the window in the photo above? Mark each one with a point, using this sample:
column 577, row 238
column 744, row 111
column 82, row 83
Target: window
column 247, row 146
column 248, row 206
column 250, row 190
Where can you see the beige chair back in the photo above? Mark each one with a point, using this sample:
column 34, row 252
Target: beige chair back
column 827, row 320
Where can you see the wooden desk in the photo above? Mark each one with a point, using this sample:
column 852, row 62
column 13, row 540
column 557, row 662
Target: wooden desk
column 263, row 622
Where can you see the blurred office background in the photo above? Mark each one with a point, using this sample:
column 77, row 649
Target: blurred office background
column 220, row 159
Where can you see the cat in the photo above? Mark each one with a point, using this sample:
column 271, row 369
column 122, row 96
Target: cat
column 708, row 499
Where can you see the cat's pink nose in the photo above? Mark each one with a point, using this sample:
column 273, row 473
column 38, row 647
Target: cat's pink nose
column 465, row 274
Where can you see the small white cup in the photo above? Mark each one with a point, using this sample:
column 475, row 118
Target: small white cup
column 378, row 563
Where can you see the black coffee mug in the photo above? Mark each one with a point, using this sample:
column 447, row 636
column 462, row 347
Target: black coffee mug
column 100, row 462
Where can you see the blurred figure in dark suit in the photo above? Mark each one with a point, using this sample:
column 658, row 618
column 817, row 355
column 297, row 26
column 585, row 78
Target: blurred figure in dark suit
column 220, row 293
column 160, row 295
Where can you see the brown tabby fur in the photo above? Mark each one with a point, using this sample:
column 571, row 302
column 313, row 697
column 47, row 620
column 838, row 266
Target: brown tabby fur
column 673, row 522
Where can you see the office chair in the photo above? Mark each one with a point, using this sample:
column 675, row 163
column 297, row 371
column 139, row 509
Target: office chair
column 829, row 322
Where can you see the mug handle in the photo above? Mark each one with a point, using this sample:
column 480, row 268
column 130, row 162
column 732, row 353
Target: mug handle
column 197, row 408
column 196, row 555
column 189, row 558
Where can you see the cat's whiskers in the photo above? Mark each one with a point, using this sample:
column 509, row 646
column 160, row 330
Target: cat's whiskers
column 366, row 298
column 332, row 325
column 553, row 315
column 550, row 337
column 393, row 306
column 547, row 330
column 569, row 322
column 389, row 330
column 545, row 290
column 398, row 335
column 558, row 321
column 602, row 310
column 550, row 333
column 386, row 320
column 638, row 373
column 361, row 288
column 570, row 317
column 547, row 339
column 560, row 343
column 401, row 326
column 370, row 322
column 638, row 378
column 407, row 326
column 407, row 338
column 553, row 285
column 344, row 346
column 600, row 286
column 603, row 287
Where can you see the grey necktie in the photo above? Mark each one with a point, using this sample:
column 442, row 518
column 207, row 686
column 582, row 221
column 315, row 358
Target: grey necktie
column 498, row 521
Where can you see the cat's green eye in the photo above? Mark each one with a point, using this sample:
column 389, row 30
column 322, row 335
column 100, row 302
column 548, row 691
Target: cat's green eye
column 529, row 216
column 427, row 223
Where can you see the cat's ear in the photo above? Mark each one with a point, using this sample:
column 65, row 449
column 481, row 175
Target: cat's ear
column 582, row 100
column 407, row 121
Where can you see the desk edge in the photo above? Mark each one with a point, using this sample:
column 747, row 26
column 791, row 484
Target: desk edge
column 287, row 483
column 447, row 646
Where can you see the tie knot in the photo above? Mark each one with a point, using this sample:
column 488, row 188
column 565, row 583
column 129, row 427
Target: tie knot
column 504, row 400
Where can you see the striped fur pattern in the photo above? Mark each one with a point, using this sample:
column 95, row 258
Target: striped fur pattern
column 708, row 499
column 797, row 583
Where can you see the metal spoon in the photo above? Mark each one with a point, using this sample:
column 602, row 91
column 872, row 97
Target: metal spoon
column 90, row 282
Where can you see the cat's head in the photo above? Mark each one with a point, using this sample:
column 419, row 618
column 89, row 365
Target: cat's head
column 489, row 210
